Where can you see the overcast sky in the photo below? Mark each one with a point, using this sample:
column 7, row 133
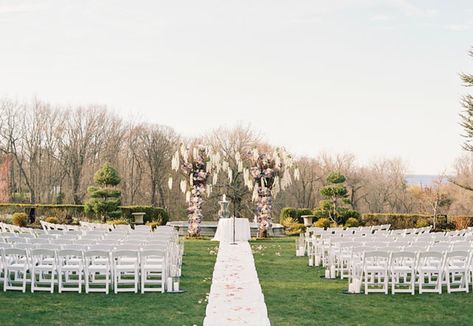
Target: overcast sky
column 373, row 78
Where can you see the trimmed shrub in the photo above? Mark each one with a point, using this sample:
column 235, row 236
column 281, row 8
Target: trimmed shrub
column 153, row 214
column 352, row 222
column 52, row 219
column 322, row 223
column 19, row 219
column 62, row 211
column 397, row 221
column 59, row 210
column 422, row 223
column 292, row 226
column 294, row 213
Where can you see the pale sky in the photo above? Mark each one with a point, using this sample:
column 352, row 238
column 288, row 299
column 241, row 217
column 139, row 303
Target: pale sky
column 373, row 78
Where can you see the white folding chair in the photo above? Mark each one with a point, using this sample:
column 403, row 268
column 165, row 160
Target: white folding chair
column 43, row 270
column 456, row 271
column 402, row 272
column 16, row 264
column 125, row 270
column 375, row 271
column 97, row 271
column 70, row 270
column 430, row 271
column 153, row 270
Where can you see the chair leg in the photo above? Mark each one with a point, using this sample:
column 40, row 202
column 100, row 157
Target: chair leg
column 6, row 276
column 52, row 281
column 33, row 280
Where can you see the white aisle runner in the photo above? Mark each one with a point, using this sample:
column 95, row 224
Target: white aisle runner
column 235, row 295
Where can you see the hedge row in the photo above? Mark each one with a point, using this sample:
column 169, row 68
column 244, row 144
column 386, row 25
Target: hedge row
column 402, row 221
column 153, row 214
column 63, row 210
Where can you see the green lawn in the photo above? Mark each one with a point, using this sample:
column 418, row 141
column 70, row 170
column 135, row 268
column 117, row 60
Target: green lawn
column 188, row 308
column 296, row 295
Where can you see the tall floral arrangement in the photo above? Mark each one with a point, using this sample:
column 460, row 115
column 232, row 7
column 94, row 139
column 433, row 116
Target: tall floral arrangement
column 197, row 165
column 267, row 176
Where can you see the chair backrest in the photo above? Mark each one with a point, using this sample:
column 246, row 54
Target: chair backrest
column 69, row 253
column 47, row 246
column 376, row 258
column 26, row 246
column 103, row 247
column 125, row 253
column 152, row 254
column 91, row 255
column 78, row 247
column 403, row 254
column 15, row 252
column 458, row 254
column 43, row 252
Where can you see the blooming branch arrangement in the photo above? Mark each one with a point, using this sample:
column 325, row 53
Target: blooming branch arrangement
column 267, row 176
column 197, row 165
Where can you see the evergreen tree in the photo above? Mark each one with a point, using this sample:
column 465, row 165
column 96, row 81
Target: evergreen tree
column 334, row 206
column 104, row 198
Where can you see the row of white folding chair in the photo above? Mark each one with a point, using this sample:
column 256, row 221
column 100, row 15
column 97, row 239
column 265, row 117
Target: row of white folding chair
column 429, row 270
column 43, row 265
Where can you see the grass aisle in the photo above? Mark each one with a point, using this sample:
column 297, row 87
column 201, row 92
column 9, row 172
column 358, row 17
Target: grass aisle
column 296, row 295
column 119, row 309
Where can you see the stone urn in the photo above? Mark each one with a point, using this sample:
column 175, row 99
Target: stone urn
column 307, row 220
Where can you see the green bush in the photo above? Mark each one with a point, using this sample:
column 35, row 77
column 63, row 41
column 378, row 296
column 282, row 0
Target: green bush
column 52, row 219
column 152, row 214
column 292, row 226
column 422, row 223
column 323, row 223
column 352, row 222
column 20, row 219
column 294, row 213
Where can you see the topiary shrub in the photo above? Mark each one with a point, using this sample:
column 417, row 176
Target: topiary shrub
column 52, row 219
column 294, row 213
column 422, row 223
column 323, row 223
column 20, row 219
column 105, row 199
column 352, row 222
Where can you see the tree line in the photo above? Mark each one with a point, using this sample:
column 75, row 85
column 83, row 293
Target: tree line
column 54, row 151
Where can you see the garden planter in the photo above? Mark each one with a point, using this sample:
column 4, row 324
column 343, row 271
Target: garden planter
column 307, row 220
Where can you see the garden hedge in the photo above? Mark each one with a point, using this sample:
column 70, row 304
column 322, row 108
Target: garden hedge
column 401, row 221
column 63, row 210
